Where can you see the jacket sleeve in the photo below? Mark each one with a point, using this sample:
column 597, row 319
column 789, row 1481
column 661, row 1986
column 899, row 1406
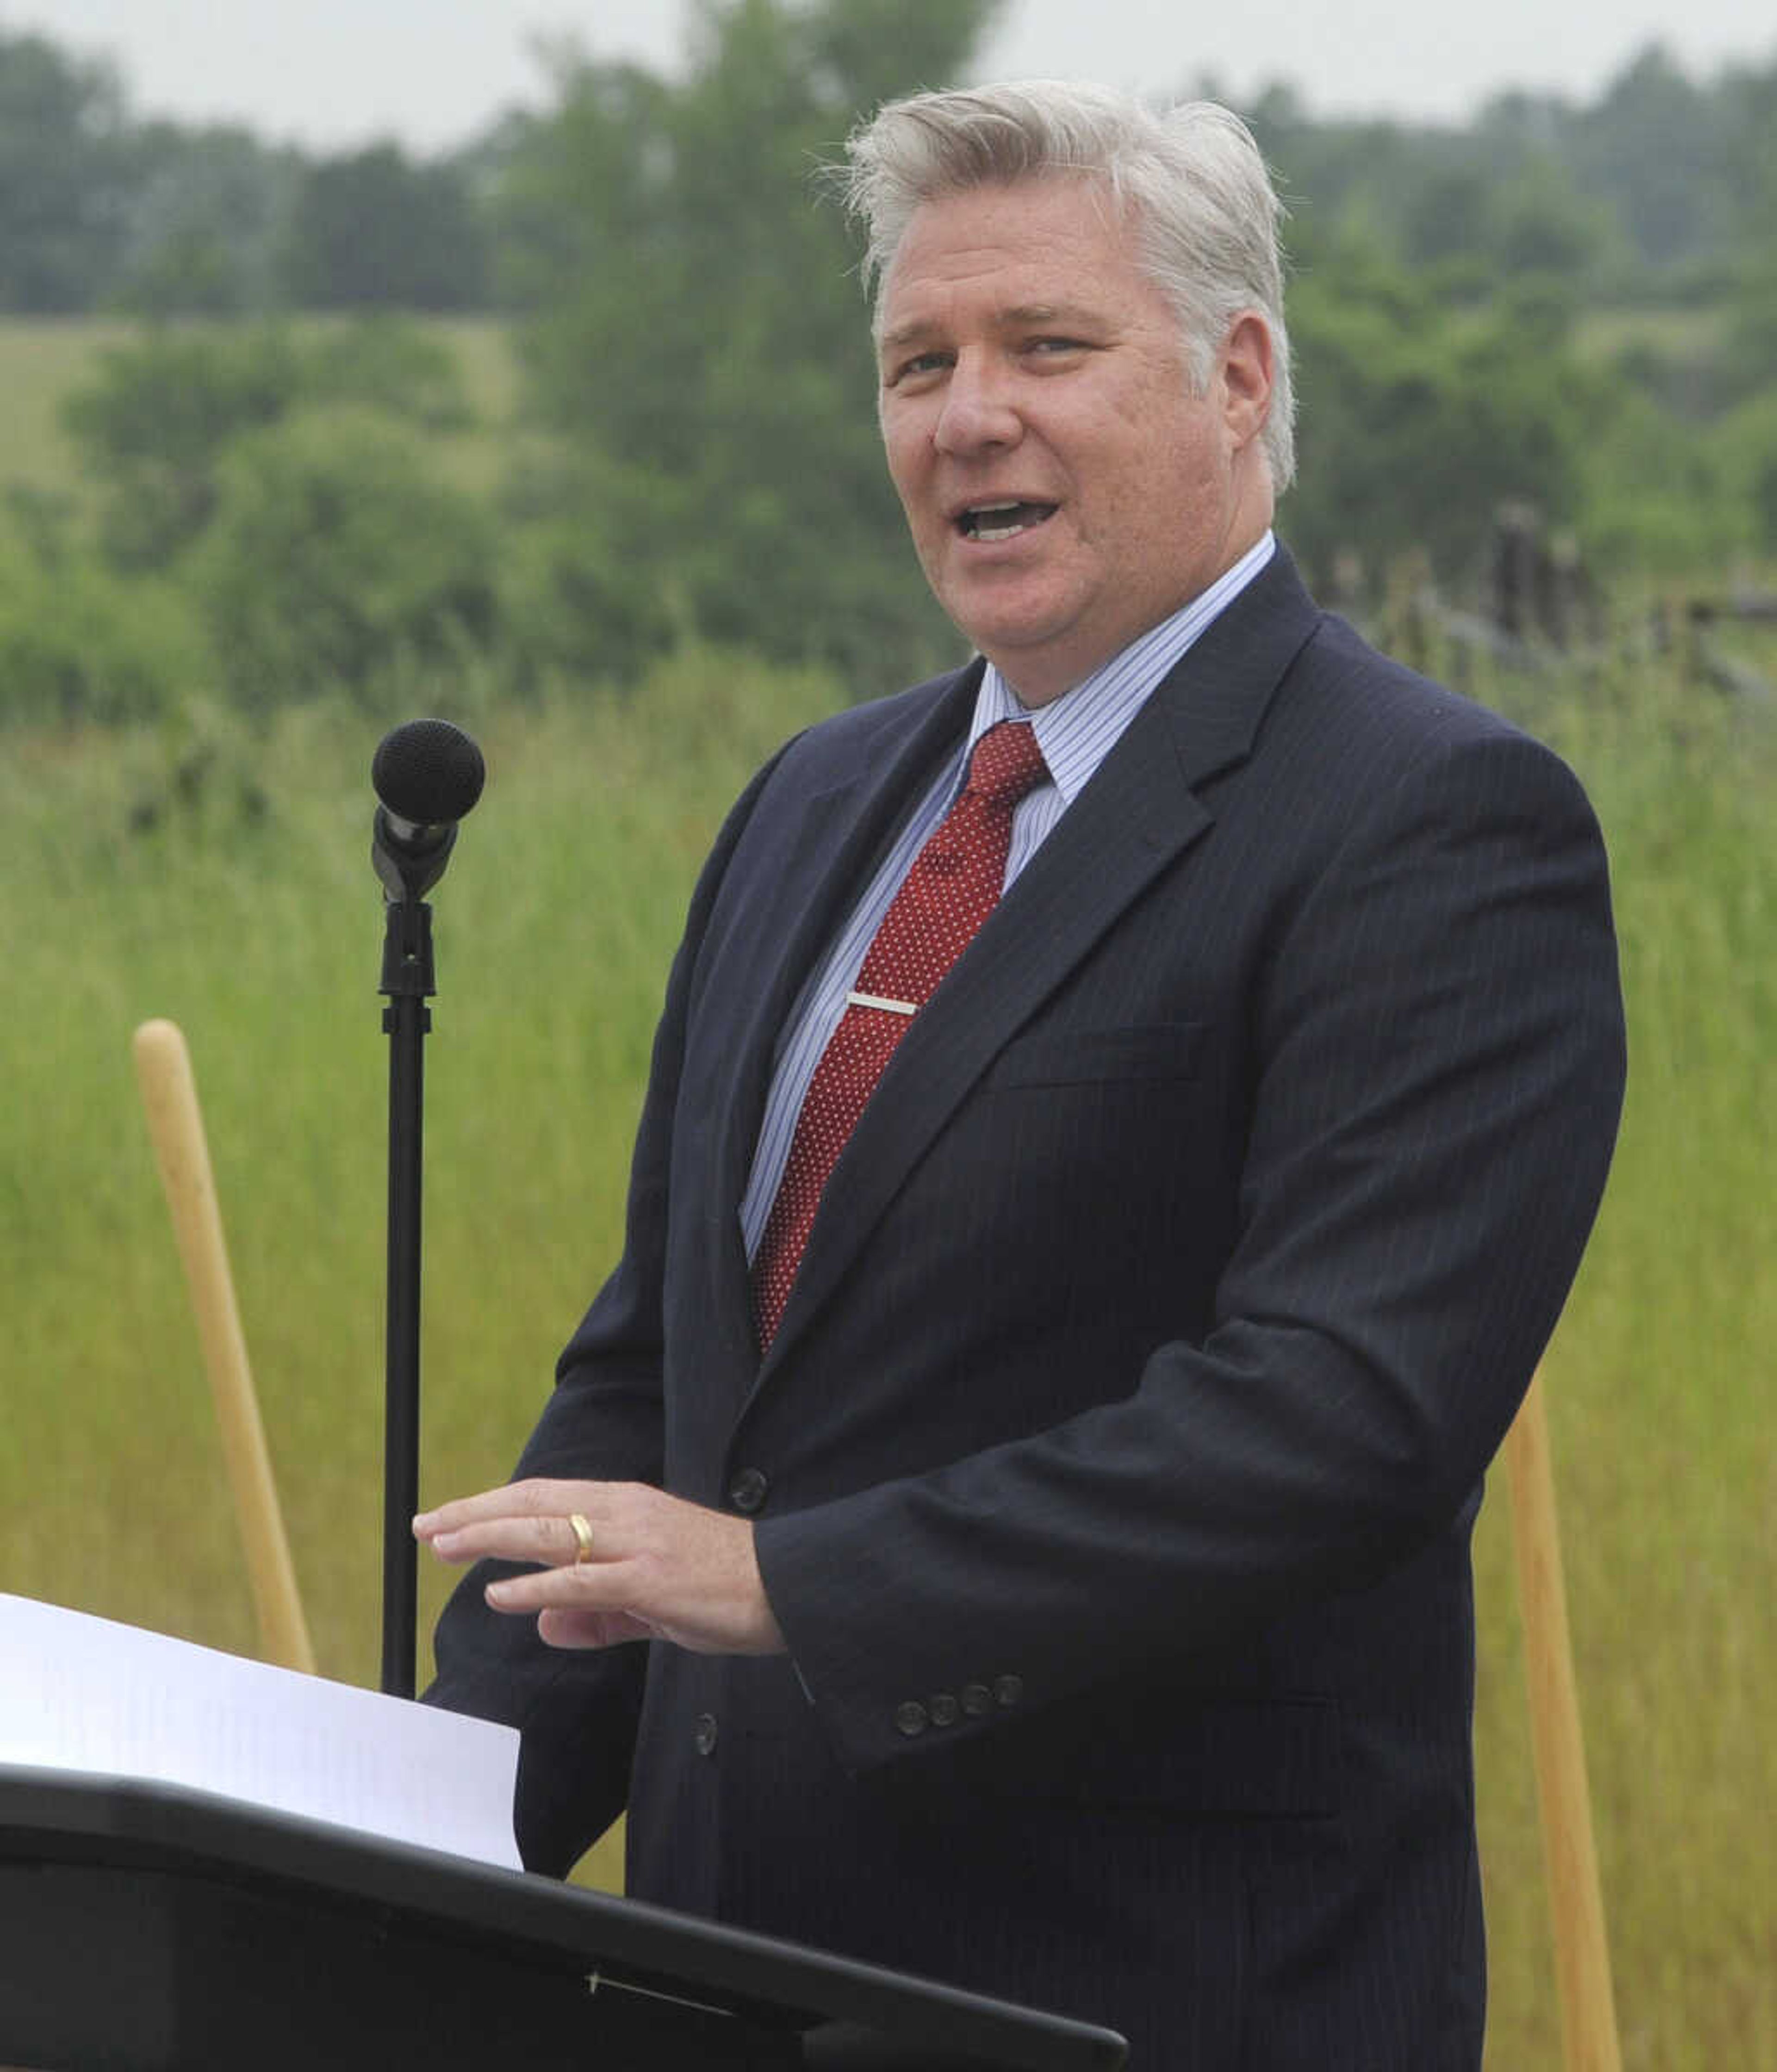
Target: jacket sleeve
column 577, row 1710
column 1438, row 1063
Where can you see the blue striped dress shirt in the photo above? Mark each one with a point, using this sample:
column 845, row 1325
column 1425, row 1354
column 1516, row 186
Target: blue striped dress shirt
column 1075, row 732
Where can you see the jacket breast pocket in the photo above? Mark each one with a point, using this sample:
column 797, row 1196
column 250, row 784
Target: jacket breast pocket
column 1085, row 1057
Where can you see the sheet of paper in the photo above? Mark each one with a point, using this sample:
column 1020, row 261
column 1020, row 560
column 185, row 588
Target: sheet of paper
column 81, row 1693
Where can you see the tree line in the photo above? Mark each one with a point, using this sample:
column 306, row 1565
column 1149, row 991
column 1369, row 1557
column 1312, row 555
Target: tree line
column 272, row 511
column 103, row 211
column 1665, row 188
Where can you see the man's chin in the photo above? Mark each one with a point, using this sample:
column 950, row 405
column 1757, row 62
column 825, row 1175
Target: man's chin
column 1002, row 622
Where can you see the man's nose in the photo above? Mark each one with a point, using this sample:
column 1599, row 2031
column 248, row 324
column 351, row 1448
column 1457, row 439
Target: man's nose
column 980, row 408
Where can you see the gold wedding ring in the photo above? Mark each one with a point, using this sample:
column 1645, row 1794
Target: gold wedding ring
column 582, row 1534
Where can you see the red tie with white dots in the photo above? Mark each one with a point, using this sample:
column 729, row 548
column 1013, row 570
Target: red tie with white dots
column 950, row 890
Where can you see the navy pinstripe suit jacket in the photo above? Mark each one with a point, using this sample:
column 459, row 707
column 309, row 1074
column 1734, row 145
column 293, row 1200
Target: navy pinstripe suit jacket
column 1114, row 1466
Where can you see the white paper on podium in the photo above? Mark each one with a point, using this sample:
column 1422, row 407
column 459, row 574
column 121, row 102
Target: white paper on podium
column 80, row 1693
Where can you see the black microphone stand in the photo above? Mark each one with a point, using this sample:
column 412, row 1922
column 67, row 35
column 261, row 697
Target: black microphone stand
column 408, row 984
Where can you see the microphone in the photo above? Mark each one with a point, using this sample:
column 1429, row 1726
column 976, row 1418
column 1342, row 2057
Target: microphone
column 427, row 775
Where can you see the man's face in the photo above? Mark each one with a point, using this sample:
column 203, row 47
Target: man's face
column 1064, row 489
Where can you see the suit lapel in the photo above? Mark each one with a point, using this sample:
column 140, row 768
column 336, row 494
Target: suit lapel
column 845, row 829
column 1139, row 812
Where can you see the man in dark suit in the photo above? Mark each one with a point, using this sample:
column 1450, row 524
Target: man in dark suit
column 1039, row 1443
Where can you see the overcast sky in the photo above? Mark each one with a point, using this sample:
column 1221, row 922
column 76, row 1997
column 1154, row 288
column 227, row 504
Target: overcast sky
column 333, row 73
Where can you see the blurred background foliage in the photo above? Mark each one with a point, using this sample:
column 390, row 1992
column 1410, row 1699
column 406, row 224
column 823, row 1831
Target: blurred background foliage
column 618, row 353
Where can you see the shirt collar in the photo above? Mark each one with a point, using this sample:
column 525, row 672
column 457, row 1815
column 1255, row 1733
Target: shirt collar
column 1077, row 730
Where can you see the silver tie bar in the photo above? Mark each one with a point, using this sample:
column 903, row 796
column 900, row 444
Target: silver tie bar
column 876, row 1000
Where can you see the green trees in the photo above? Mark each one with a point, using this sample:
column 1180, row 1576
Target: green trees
column 338, row 554
column 205, row 217
column 696, row 454
column 98, row 211
column 1654, row 143
column 152, row 427
column 693, row 330
column 374, row 230
column 692, row 452
column 1659, row 184
column 271, row 519
column 1419, row 422
column 63, row 154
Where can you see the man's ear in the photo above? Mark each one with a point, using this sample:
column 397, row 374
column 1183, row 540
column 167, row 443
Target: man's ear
column 1246, row 377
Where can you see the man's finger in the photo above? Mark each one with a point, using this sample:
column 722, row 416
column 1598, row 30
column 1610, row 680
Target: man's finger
column 552, row 1541
column 561, row 1628
column 595, row 1585
column 525, row 1499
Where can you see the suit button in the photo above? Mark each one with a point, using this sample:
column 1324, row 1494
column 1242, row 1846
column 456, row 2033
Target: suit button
column 943, row 1708
column 911, row 1717
column 703, row 1733
column 1008, row 1690
column 977, row 1700
column 748, row 1491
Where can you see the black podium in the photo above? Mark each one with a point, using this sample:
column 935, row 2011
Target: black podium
column 146, row 1928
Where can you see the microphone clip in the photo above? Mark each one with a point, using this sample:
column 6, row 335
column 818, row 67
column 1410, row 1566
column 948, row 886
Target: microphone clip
column 409, row 860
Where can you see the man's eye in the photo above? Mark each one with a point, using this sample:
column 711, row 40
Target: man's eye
column 917, row 364
column 1050, row 347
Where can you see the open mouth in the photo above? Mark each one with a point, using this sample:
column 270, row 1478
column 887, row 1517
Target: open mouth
column 1004, row 520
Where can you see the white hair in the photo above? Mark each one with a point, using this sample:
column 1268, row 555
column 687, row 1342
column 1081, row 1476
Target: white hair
column 1189, row 182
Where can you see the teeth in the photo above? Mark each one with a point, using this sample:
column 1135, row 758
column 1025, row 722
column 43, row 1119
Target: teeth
column 975, row 518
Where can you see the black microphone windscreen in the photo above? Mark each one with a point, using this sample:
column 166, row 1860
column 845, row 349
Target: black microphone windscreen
column 428, row 771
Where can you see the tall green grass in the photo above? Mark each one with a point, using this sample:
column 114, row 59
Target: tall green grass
column 221, row 878
column 1666, row 1449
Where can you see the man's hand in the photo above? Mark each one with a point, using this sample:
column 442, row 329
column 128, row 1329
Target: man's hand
column 655, row 1568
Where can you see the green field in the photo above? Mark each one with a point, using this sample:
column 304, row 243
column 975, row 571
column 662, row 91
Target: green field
column 41, row 361
column 1682, row 334
column 44, row 359
column 218, row 874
